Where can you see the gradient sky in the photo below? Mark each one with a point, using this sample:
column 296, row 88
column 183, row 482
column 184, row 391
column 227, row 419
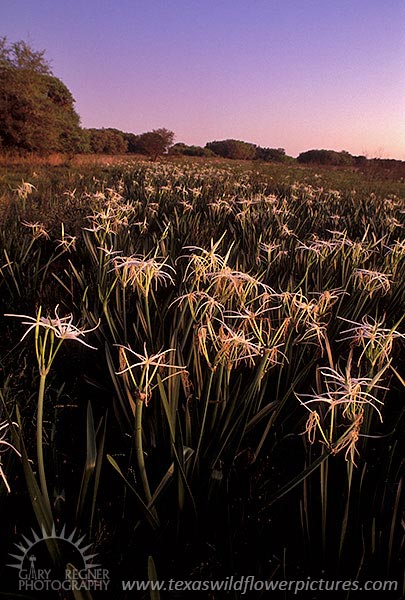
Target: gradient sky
column 297, row 74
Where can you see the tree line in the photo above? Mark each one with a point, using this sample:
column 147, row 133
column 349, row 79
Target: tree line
column 37, row 115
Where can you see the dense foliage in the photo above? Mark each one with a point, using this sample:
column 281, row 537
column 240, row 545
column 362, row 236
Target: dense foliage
column 330, row 157
column 181, row 149
column 239, row 150
column 106, row 141
column 156, row 142
column 36, row 109
column 272, row 154
column 233, row 149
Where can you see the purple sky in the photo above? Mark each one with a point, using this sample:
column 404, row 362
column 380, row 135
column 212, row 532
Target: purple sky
column 297, row 74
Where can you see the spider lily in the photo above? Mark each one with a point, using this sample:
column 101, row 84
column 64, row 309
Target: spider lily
column 61, row 327
column 149, row 365
column 372, row 281
column 347, row 397
column 146, row 361
column 140, row 272
column 37, row 228
column 376, row 340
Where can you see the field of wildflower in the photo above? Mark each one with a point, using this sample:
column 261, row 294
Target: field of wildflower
column 202, row 368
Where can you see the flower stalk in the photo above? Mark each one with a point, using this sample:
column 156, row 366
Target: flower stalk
column 46, row 330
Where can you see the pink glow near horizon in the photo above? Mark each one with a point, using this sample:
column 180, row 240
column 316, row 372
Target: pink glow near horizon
column 281, row 73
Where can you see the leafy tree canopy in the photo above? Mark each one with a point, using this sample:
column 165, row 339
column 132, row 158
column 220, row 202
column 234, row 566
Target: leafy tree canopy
column 271, row 154
column 181, row 149
column 156, row 142
column 36, row 108
column 326, row 157
column 233, row 149
column 106, row 141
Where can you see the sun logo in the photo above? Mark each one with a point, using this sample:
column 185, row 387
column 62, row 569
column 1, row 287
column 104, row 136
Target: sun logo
column 72, row 568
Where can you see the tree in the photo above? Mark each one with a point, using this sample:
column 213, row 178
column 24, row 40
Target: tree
column 64, row 122
column 107, row 141
column 133, row 141
column 271, row 154
column 233, row 149
column 181, row 149
column 326, row 157
column 156, row 142
column 36, row 109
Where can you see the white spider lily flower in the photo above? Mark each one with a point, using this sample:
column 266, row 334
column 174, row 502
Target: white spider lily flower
column 62, row 327
column 67, row 241
column 373, row 281
column 146, row 361
column 369, row 329
column 37, row 228
column 200, row 302
column 342, row 389
column 141, row 272
column 25, row 189
column 377, row 341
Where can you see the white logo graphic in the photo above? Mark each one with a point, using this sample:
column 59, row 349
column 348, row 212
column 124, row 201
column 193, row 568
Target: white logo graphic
column 77, row 570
